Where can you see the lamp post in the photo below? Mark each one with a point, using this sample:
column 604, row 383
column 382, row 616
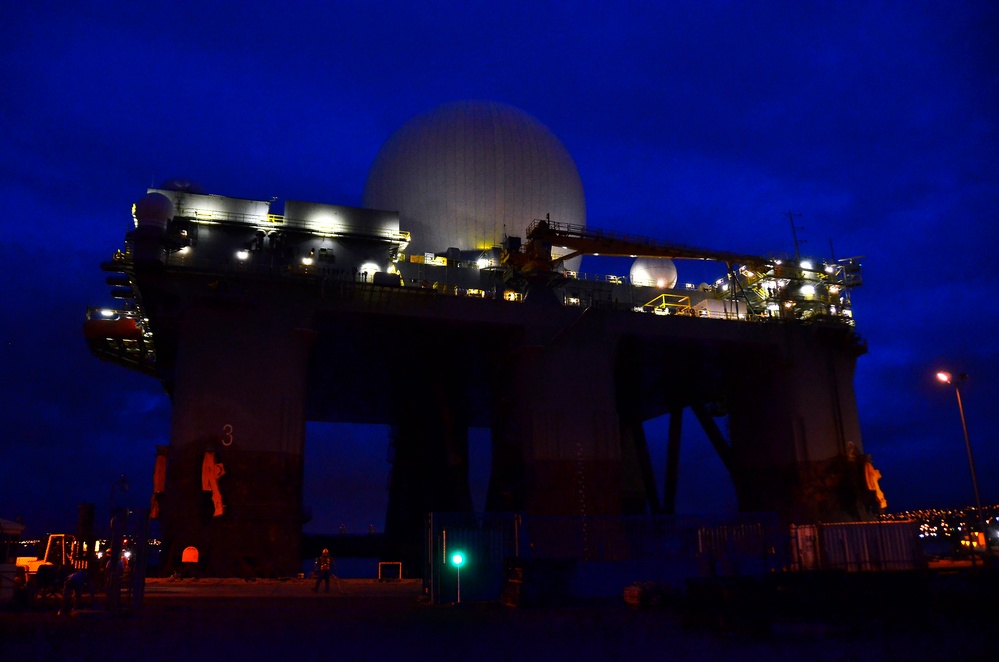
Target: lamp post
column 947, row 378
column 458, row 559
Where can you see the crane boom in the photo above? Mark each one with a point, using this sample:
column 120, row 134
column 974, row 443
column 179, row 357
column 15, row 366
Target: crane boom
column 770, row 288
column 542, row 234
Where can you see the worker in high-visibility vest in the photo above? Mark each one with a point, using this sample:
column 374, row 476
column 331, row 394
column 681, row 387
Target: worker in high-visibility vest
column 323, row 567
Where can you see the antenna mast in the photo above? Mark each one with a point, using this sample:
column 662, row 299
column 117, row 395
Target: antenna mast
column 794, row 233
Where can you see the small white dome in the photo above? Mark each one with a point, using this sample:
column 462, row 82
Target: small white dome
column 153, row 210
column 653, row 272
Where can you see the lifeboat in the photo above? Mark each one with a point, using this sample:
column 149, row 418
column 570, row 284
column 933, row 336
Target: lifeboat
column 124, row 328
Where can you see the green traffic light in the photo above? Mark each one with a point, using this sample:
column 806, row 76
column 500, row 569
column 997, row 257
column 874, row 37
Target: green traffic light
column 458, row 559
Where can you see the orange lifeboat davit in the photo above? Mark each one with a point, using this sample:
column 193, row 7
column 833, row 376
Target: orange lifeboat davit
column 124, row 328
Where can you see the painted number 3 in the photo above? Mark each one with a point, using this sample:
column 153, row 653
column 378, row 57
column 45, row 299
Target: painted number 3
column 227, row 435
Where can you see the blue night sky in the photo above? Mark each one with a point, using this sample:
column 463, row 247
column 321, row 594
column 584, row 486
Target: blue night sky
column 695, row 122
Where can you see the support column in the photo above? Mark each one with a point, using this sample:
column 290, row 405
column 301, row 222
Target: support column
column 672, row 475
column 238, row 400
column 639, row 492
column 792, row 444
column 556, row 432
column 429, row 465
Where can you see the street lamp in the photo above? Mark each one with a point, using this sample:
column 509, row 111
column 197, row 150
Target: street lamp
column 947, row 378
column 458, row 560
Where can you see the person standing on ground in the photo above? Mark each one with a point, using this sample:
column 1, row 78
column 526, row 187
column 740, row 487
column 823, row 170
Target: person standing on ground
column 323, row 564
column 72, row 591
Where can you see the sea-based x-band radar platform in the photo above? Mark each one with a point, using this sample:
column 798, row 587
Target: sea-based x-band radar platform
column 260, row 315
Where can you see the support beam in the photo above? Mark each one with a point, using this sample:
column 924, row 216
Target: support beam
column 672, row 460
column 714, row 435
column 640, row 494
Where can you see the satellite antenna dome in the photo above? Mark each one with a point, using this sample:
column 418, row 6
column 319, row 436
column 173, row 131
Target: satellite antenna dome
column 657, row 272
column 470, row 173
column 153, row 210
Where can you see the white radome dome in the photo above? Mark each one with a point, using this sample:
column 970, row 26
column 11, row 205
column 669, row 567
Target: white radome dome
column 153, row 210
column 658, row 272
column 471, row 172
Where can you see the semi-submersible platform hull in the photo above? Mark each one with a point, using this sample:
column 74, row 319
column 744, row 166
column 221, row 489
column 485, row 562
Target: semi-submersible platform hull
column 248, row 356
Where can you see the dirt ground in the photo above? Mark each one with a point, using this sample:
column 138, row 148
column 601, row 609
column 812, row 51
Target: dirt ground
column 370, row 620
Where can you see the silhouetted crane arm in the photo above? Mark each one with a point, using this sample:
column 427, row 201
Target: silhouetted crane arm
column 579, row 240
